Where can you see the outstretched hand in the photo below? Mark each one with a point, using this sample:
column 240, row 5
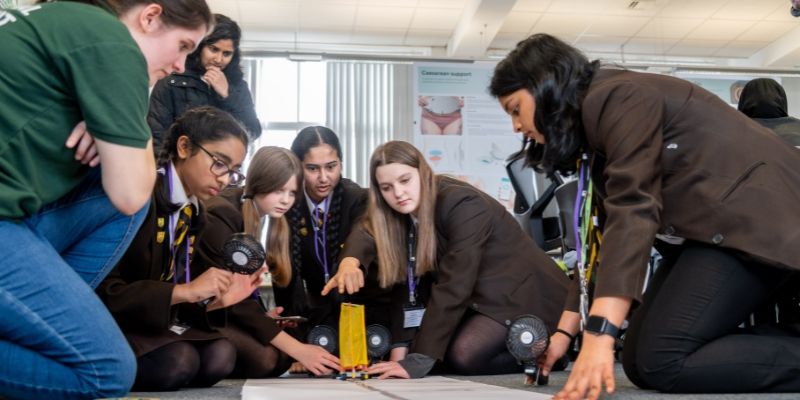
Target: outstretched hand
column 317, row 360
column 593, row 369
column 348, row 278
column 388, row 369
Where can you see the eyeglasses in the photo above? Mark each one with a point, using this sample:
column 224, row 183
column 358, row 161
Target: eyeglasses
column 220, row 168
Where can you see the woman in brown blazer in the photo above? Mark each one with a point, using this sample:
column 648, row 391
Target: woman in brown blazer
column 472, row 270
column 273, row 180
column 152, row 294
column 670, row 163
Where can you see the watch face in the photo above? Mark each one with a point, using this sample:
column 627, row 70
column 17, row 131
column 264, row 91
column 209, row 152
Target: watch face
column 594, row 324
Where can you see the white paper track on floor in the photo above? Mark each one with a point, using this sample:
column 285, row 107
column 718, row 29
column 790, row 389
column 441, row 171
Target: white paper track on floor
column 438, row 388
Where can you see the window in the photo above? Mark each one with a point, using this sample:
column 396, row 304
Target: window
column 289, row 95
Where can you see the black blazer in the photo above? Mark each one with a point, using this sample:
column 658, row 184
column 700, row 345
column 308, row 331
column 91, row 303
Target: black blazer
column 302, row 295
column 140, row 301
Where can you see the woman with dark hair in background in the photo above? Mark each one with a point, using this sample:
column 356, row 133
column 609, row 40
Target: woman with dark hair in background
column 320, row 221
column 454, row 257
column 213, row 77
column 160, row 305
column 273, row 179
column 672, row 164
column 63, row 224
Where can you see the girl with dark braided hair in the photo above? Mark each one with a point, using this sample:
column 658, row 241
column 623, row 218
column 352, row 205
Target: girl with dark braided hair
column 320, row 221
column 152, row 293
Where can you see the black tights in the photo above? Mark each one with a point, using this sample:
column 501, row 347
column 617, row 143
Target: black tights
column 184, row 364
column 479, row 348
column 253, row 359
column 684, row 338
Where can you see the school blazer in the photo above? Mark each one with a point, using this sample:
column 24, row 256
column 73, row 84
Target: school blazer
column 302, row 296
column 485, row 263
column 670, row 157
column 140, row 301
column 354, row 204
column 224, row 219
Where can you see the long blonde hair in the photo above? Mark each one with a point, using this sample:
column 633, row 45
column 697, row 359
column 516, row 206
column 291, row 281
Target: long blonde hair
column 389, row 228
column 269, row 170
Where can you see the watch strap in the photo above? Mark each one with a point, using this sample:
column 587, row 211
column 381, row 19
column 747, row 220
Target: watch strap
column 598, row 325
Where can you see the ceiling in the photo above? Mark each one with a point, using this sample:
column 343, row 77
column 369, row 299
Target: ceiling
column 731, row 33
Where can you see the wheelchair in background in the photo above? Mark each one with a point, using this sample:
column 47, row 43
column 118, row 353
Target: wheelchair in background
column 544, row 208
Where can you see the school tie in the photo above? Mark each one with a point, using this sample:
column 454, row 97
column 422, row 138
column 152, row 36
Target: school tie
column 320, row 250
column 319, row 218
column 178, row 249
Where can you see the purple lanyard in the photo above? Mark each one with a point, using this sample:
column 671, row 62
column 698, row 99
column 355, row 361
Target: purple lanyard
column 172, row 232
column 412, row 264
column 324, row 244
column 582, row 199
column 579, row 201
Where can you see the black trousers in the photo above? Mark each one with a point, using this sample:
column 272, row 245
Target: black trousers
column 685, row 336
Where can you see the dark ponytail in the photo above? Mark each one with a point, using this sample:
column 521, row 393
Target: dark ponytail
column 200, row 124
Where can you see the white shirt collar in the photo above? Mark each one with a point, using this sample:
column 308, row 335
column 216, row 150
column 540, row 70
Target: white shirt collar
column 322, row 205
column 178, row 194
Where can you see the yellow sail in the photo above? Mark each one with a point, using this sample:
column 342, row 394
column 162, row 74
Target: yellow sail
column 352, row 337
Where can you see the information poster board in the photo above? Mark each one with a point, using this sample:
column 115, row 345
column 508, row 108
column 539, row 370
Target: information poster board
column 461, row 129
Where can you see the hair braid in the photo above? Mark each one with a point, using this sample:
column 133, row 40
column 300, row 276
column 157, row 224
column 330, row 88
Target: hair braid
column 294, row 216
column 297, row 294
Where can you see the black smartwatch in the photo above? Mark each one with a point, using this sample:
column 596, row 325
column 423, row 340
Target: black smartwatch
column 597, row 326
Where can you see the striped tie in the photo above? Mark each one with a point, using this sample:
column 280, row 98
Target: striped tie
column 181, row 231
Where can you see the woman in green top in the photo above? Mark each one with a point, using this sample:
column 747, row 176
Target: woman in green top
column 65, row 224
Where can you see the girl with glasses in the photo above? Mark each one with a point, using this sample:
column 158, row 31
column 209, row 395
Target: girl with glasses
column 275, row 177
column 168, row 313
column 220, row 168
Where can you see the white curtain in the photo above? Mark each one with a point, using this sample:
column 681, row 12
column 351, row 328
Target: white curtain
column 368, row 103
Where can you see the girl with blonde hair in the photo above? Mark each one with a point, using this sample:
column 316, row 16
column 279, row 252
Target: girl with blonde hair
column 273, row 179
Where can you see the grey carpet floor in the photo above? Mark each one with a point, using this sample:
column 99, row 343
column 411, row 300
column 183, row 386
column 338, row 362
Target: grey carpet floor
column 230, row 389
